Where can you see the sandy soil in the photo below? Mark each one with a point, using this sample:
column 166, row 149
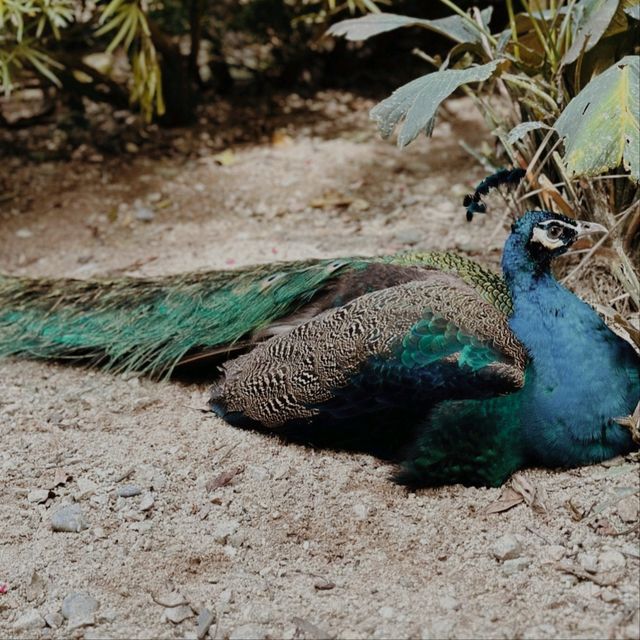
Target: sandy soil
column 274, row 540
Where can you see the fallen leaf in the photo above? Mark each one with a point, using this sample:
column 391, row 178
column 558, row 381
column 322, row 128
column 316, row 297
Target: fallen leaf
column 507, row 500
column 575, row 513
column 281, row 138
column 223, row 479
column 225, row 158
column 330, row 200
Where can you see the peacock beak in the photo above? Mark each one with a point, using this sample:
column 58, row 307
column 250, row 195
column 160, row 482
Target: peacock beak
column 587, row 228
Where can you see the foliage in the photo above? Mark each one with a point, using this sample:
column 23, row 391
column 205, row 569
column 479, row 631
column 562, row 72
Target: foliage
column 565, row 76
column 59, row 40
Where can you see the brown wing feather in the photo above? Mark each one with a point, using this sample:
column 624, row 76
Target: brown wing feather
column 282, row 377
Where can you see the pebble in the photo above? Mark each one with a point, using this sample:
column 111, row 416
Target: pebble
column 79, row 609
column 254, row 631
column 506, row 547
column 386, row 612
column 170, row 599
column 555, row 552
column 611, row 566
column 86, row 488
column 38, row 496
column 361, row 511
column 449, row 603
column 628, row 508
column 54, row 620
column 128, row 490
column 588, row 562
column 147, row 501
column 509, row 567
column 223, row 530
column 29, row 621
column 205, row 619
column 69, row 518
column 178, row 614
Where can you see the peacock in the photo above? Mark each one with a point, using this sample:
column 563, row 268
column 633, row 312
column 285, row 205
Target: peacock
column 468, row 375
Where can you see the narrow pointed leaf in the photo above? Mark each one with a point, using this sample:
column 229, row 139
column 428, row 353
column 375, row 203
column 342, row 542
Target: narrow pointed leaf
column 520, row 131
column 601, row 124
column 373, row 24
column 418, row 101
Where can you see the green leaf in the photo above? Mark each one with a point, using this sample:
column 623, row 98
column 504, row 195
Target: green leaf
column 454, row 27
column 593, row 25
column 418, row 101
column 601, row 124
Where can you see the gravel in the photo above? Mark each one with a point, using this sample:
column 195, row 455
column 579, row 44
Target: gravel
column 69, row 519
column 300, row 511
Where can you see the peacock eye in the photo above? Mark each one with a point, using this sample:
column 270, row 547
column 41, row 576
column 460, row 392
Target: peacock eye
column 554, row 231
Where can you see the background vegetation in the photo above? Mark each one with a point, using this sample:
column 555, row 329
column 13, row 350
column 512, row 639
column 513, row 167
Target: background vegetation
column 556, row 80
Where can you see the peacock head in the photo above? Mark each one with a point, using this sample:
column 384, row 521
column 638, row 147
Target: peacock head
column 547, row 235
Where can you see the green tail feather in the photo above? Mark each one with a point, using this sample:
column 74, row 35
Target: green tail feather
column 149, row 325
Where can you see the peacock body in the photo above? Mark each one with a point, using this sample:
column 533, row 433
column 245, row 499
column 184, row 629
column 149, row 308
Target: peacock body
column 478, row 375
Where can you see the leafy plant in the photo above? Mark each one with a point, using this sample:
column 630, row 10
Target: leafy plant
column 559, row 89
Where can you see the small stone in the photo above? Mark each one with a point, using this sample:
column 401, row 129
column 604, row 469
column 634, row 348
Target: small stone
column 29, row 621
column 146, row 502
column 361, row 511
column 555, row 552
column 54, row 620
column 608, row 595
column 131, row 147
column 226, row 597
column 86, row 488
column 628, row 508
column 588, row 562
column 386, row 612
column 253, row 631
column 128, row 490
column 506, row 547
column 36, row 588
column 205, row 619
column 23, row 233
column 223, row 530
column 38, row 496
column 237, row 539
column 509, row 567
column 69, row 519
column 323, row 585
column 178, row 614
column 169, row 599
column 79, row 609
column 144, row 214
column 449, row 603
column 611, row 566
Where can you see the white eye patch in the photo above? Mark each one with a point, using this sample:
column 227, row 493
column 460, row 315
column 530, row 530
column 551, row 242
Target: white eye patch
column 540, row 236
column 546, row 234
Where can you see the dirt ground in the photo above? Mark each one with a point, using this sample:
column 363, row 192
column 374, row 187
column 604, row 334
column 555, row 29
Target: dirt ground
column 275, row 541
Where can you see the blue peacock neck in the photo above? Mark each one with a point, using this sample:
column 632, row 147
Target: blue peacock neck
column 581, row 376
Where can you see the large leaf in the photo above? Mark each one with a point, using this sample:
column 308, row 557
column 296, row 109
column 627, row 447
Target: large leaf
column 418, row 101
column 454, row 27
column 595, row 21
column 601, row 124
